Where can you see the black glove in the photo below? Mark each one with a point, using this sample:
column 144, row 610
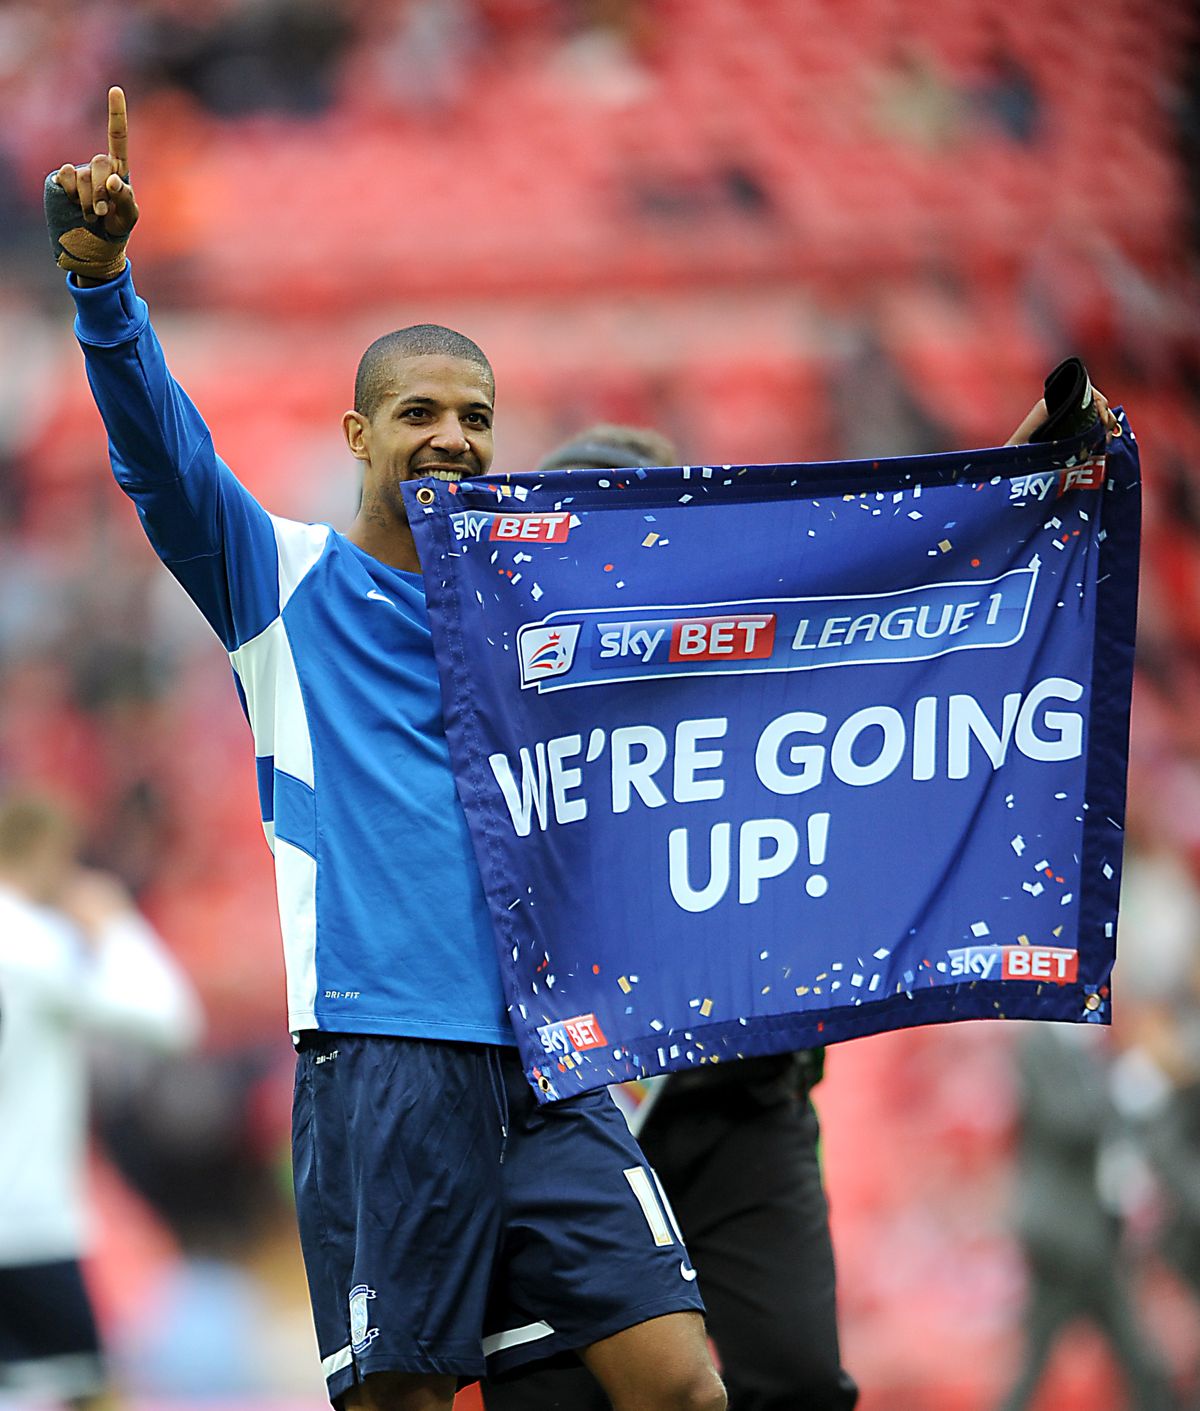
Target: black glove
column 83, row 247
column 1070, row 405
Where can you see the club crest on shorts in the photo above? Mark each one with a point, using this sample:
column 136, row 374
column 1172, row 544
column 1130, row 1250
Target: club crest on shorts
column 361, row 1336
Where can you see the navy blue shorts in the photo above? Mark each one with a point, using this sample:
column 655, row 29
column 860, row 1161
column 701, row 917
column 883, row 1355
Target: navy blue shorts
column 49, row 1348
column 451, row 1225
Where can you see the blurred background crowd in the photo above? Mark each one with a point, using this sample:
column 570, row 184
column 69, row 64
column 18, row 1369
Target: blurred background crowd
column 774, row 229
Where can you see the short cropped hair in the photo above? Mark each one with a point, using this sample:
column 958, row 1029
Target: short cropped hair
column 605, row 446
column 27, row 822
column 421, row 340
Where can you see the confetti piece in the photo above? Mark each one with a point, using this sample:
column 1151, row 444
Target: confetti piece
column 624, row 984
column 802, row 989
column 979, row 928
column 1018, row 845
column 649, row 540
column 945, row 545
column 656, row 1025
column 1107, row 870
column 1041, row 866
column 706, row 1008
column 882, row 953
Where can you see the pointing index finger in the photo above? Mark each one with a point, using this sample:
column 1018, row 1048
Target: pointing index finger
column 118, row 130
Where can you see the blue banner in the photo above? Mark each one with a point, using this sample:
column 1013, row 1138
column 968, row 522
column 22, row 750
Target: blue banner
column 756, row 758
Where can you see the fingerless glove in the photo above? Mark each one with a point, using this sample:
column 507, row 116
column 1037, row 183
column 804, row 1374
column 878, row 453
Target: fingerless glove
column 81, row 246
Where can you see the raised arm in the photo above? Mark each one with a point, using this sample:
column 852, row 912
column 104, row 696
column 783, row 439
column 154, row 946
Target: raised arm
column 129, row 985
column 91, row 210
column 208, row 529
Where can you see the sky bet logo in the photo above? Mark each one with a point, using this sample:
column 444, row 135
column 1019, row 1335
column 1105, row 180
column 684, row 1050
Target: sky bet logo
column 1052, row 964
column 531, row 528
column 744, row 637
column 1055, row 483
column 572, row 1035
column 472, row 526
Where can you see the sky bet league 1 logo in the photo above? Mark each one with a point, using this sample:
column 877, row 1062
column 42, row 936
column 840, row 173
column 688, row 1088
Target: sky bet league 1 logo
column 600, row 645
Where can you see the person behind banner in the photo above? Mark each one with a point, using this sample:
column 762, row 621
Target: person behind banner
column 736, row 1147
column 448, row 1223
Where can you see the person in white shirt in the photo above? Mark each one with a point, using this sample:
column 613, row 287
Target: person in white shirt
column 76, row 959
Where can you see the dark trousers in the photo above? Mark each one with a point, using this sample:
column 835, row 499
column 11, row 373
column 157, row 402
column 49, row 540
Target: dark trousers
column 745, row 1184
column 1058, row 1297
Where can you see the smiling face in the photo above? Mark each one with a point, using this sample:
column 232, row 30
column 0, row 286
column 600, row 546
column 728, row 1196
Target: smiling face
column 433, row 417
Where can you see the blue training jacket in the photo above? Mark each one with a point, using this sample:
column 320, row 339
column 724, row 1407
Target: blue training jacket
column 385, row 927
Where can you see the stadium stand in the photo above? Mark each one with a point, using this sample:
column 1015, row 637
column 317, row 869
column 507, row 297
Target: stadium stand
column 779, row 232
